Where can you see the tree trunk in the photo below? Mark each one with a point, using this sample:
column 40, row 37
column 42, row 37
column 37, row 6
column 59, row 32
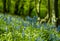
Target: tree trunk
column 39, row 8
column 56, row 8
column 56, row 12
column 30, row 8
column 35, row 6
column 49, row 11
column 4, row 6
column 16, row 7
column 21, row 10
column 8, row 8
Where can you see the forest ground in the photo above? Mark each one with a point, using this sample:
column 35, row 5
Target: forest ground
column 14, row 28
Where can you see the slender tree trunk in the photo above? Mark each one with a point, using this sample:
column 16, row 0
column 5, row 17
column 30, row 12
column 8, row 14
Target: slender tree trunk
column 49, row 10
column 56, row 8
column 21, row 10
column 36, row 6
column 56, row 12
column 30, row 8
column 39, row 8
column 8, row 8
column 16, row 7
column 4, row 6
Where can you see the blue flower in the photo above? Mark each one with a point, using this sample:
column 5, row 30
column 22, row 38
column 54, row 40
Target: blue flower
column 29, row 19
column 9, row 19
column 38, row 26
column 45, row 24
column 35, row 19
column 38, row 39
column 58, row 29
column 17, row 27
column 0, row 16
column 5, row 19
column 18, row 19
column 23, row 33
column 25, row 25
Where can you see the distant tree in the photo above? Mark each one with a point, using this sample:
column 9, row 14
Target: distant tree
column 56, row 12
column 16, row 7
column 39, row 7
column 30, row 8
column 21, row 10
column 36, row 2
column 4, row 6
column 56, row 8
column 9, row 4
column 49, row 10
column 38, row 10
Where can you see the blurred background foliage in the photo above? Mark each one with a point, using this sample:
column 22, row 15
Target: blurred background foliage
column 29, row 20
column 25, row 6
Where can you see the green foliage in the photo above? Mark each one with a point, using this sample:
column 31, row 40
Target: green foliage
column 43, row 11
column 14, row 28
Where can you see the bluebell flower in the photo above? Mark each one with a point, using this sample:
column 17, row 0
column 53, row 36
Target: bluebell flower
column 38, row 39
column 9, row 19
column 17, row 27
column 19, row 19
column 34, row 25
column 51, row 37
column 0, row 16
column 58, row 39
column 23, row 33
column 38, row 26
column 58, row 29
column 35, row 18
column 25, row 25
column 5, row 19
column 28, row 19
column 45, row 24
column 12, row 24
column 24, row 28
